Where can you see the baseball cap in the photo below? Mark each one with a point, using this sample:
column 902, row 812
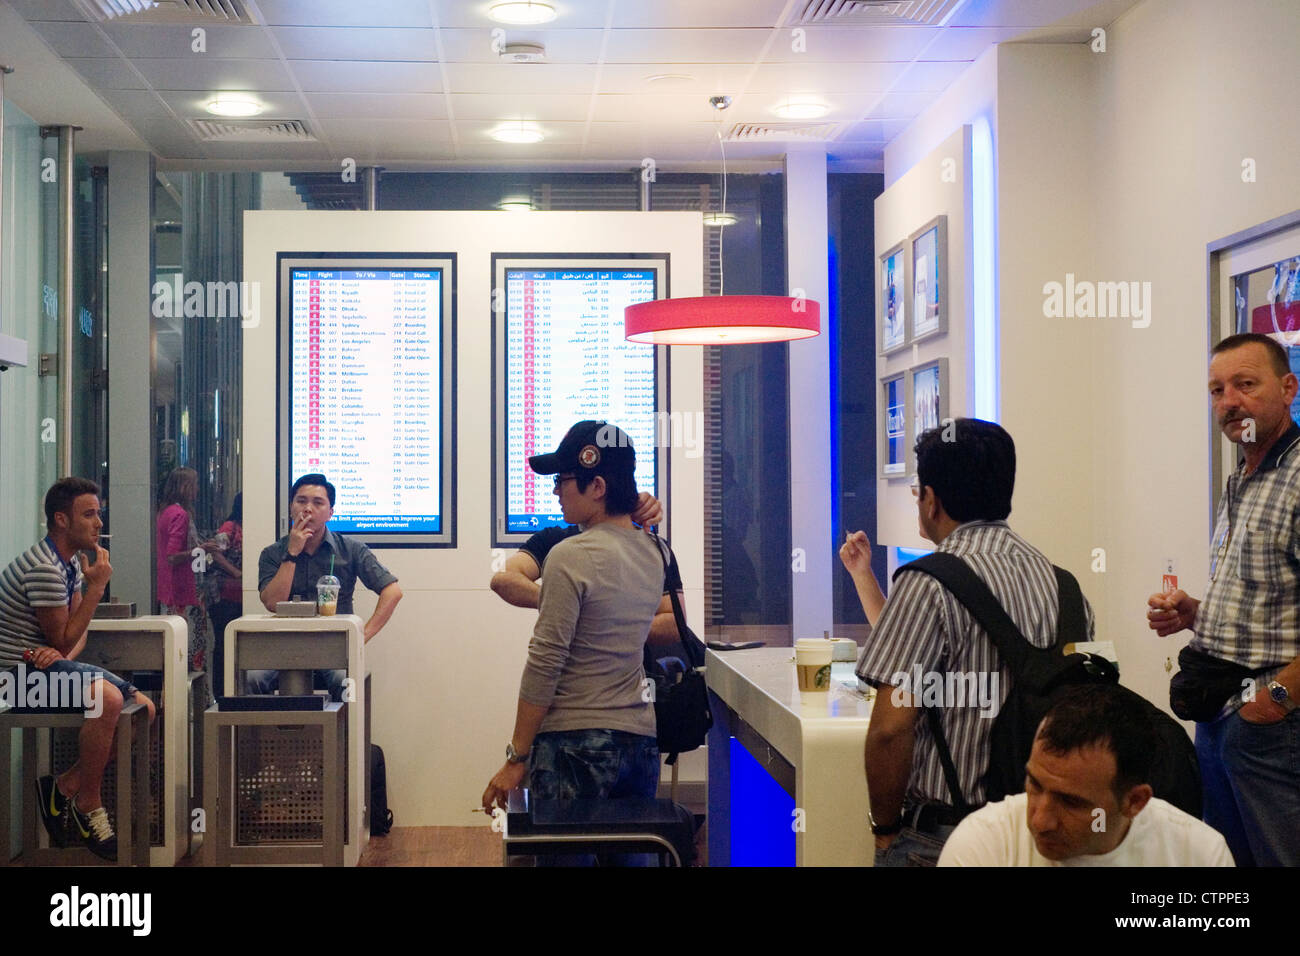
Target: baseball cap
column 594, row 447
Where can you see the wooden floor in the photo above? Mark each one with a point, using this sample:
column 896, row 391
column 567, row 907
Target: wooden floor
column 453, row 846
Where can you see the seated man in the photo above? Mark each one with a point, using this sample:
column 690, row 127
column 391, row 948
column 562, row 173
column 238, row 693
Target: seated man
column 44, row 615
column 295, row 563
column 517, row 583
column 1086, row 800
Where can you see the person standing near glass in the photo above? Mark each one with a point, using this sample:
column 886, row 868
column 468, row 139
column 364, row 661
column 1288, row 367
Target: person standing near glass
column 177, row 537
column 227, row 551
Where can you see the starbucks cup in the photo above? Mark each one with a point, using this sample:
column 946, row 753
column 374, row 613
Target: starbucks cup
column 812, row 661
column 327, row 595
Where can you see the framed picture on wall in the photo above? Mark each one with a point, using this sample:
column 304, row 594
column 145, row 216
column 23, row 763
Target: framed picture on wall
column 929, row 387
column 929, row 279
column 891, row 302
column 893, row 425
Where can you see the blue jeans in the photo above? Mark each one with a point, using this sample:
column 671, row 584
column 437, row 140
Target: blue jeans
column 914, row 848
column 65, row 666
column 1250, row 780
column 266, row 681
column 593, row 764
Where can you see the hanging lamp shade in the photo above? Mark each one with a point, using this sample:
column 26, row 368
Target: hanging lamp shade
column 722, row 320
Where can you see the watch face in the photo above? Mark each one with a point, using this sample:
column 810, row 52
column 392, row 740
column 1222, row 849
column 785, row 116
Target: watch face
column 1278, row 692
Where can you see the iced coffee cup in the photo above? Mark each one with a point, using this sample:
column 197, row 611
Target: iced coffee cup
column 327, row 595
column 812, row 661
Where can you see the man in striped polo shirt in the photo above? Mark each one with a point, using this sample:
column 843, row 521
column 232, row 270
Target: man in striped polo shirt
column 966, row 471
column 44, row 614
column 1246, row 640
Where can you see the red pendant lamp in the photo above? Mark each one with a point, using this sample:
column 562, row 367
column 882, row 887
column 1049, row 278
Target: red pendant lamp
column 722, row 319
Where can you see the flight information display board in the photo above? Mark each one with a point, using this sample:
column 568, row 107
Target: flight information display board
column 366, row 353
column 561, row 357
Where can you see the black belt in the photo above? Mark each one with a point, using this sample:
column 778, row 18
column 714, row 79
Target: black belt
column 928, row 817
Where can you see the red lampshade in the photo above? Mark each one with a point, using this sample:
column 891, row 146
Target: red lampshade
column 722, row 320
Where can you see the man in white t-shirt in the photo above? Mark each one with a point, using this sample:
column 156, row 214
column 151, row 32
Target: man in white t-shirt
column 1086, row 802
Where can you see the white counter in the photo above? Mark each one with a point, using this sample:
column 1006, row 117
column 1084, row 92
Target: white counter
column 810, row 743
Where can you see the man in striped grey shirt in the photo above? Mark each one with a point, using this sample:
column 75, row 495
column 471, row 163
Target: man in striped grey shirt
column 1248, row 625
column 44, row 615
column 924, row 638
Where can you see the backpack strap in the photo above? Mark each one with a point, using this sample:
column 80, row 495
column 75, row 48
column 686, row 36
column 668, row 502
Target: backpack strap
column 1071, row 619
column 694, row 654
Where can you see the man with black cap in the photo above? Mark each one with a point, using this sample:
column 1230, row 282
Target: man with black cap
column 584, row 727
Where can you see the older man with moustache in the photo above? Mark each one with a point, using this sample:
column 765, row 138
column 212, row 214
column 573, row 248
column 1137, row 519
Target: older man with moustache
column 1239, row 675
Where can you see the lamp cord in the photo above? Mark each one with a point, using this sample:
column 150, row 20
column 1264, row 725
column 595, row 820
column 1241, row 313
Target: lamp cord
column 722, row 227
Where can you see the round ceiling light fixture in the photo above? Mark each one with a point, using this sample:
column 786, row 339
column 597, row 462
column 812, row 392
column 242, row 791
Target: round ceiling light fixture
column 801, row 109
column 522, row 12
column 234, row 104
column 720, row 219
column 518, row 132
column 516, row 204
column 722, row 320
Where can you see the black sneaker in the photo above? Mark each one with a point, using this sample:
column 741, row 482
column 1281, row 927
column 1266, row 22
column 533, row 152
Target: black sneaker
column 94, row 830
column 54, row 806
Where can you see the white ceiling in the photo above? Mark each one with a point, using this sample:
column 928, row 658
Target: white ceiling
column 416, row 84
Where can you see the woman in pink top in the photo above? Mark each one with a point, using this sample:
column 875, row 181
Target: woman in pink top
column 177, row 537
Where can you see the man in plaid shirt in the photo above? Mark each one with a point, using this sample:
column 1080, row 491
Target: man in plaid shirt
column 1250, row 751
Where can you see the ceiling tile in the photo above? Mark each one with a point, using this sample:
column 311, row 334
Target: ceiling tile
column 685, row 46
column 32, row 10
column 701, row 79
column 562, row 46
column 931, row 77
column 355, row 133
column 812, row 76
column 504, row 106
column 872, row 131
column 474, row 131
column 356, row 43
column 1021, row 13
column 341, row 76
column 900, row 106
column 378, row 106
column 693, row 14
column 207, row 74
column 761, row 107
column 73, row 39
column 275, row 105
column 967, row 43
column 177, row 41
column 346, row 13
column 107, row 73
column 615, row 107
column 510, row 77
column 858, row 44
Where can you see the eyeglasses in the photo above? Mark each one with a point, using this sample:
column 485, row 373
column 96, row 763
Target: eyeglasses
column 561, row 479
column 915, row 485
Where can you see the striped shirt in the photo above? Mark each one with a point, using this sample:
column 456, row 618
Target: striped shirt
column 1251, row 611
column 36, row 578
column 924, row 630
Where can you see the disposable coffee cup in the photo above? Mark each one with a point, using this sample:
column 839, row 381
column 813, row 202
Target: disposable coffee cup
column 812, row 661
column 327, row 595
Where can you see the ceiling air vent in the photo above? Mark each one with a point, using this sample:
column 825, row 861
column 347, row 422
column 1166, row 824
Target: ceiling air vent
column 251, row 131
column 200, row 12
column 779, row 132
column 873, row 12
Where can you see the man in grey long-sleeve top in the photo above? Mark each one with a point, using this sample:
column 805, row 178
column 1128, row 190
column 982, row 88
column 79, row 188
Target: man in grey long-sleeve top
column 585, row 724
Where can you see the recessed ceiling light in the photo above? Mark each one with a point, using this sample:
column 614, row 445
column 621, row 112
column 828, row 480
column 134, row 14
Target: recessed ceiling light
column 801, row 109
column 518, row 133
column 522, row 11
column 516, row 204
column 234, row 104
column 719, row 219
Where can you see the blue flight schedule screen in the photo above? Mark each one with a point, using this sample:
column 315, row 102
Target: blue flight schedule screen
column 365, row 393
column 567, row 360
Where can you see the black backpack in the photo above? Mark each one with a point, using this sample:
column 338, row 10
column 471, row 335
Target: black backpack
column 381, row 818
column 1038, row 677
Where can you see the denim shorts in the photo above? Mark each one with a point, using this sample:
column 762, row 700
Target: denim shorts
column 584, row 764
column 65, row 666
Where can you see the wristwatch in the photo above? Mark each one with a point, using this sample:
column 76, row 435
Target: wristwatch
column 878, row 830
column 1281, row 696
column 512, row 756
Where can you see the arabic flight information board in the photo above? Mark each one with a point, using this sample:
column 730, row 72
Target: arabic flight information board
column 564, row 357
column 368, row 394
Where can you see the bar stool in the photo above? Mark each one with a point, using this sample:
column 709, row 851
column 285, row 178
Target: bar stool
column 130, row 759
column 632, row 825
column 222, row 786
